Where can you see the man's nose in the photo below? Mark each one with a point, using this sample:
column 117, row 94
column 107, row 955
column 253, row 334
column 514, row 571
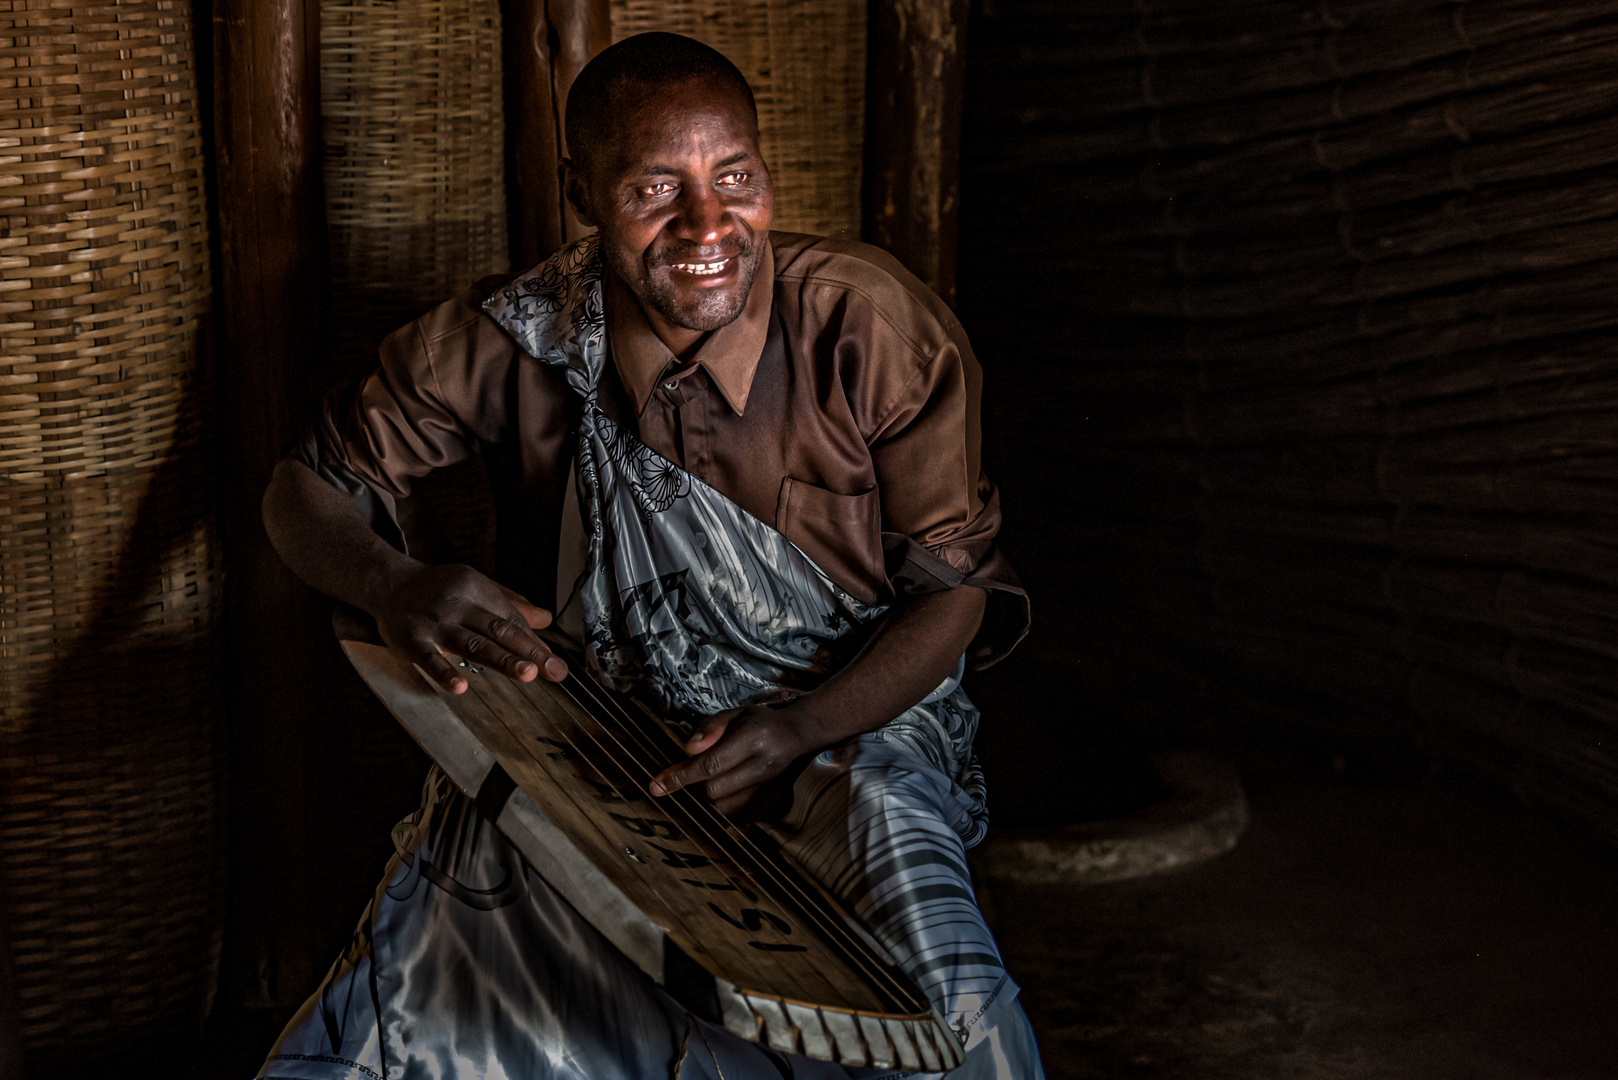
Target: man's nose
column 703, row 217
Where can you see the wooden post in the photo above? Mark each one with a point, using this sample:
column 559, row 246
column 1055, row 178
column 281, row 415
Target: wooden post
column 273, row 281
column 533, row 192
column 547, row 45
column 583, row 28
column 916, row 61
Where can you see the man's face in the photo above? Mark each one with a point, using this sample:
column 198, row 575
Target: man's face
column 683, row 202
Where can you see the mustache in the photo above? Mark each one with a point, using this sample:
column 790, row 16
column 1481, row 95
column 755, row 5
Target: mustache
column 668, row 256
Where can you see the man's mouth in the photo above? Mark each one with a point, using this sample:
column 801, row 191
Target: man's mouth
column 703, row 269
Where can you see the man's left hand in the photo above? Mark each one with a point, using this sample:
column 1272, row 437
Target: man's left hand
column 735, row 753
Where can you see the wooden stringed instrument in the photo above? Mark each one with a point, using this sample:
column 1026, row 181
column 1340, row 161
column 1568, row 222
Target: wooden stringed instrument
column 712, row 911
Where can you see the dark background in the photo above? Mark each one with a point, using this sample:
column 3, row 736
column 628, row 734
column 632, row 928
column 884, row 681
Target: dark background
column 1298, row 326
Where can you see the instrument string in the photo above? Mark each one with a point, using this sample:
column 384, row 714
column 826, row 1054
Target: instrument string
column 685, row 1049
column 728, row 839
column 611, row 842
column 600, row 715
column 810, row 904
column 624, row 758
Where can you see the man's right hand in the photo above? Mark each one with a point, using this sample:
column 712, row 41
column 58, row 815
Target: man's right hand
column 433, row 612
column 423, row 612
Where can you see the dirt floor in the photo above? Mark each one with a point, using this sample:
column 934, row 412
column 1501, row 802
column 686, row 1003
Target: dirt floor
column 1366, row 927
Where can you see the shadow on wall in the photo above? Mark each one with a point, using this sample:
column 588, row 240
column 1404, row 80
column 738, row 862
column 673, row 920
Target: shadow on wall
column 111, row 784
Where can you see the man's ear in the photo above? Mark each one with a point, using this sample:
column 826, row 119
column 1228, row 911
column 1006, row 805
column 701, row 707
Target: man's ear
column 573, row 189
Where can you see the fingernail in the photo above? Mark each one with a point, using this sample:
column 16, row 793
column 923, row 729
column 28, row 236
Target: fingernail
column 555, row 668
column 525, row 668
column 657, row 788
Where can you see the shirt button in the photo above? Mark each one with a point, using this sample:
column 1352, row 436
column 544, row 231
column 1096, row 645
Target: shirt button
column 671, row 385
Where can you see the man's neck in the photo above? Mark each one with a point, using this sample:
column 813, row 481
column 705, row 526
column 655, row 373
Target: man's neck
column 681, row 341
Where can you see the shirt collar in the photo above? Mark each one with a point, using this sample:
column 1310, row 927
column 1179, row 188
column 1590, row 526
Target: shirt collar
column 730, row 355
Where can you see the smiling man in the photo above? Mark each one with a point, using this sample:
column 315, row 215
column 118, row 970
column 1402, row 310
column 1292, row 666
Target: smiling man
column 742, row 468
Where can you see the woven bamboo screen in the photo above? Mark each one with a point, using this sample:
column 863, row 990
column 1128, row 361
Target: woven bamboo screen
column 414, row 132
column 805, row 60
column 1312, row 308
column 108, row 566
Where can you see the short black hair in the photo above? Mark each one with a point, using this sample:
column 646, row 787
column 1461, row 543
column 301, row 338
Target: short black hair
column 637, row 64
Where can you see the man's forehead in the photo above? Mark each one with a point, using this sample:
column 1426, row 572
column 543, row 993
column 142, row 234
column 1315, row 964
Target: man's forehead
column 714, row 122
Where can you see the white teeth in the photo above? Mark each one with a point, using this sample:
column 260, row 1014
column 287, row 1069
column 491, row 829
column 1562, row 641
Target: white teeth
column 703, row 268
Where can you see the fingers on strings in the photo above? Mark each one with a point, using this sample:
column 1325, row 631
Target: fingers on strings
column 438, row 668
column 505, row 644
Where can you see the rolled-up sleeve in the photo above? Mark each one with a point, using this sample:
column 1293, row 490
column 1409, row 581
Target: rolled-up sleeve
column 433, row 401
column 941, row 513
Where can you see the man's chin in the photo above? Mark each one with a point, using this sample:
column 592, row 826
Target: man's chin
column 706, row 317
column 704, row 312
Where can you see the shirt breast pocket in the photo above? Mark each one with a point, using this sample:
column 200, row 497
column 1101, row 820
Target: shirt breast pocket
column 841, row 533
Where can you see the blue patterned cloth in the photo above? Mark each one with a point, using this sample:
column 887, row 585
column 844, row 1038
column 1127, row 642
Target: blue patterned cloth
column 686, row 597
column 467, row 965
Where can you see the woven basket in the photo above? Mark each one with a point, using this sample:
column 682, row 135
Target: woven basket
column 109, row 582
column 1329, row 287
column 414, row 132
column 805, row 60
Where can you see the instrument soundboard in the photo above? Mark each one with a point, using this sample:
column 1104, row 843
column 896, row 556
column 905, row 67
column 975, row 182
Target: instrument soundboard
column 711, row 910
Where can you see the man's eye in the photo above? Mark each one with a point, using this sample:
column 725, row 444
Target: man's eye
column 655, row 190
column 733, row 179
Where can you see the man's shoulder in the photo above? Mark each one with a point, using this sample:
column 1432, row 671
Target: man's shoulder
column 836, row 269
column 453, row 342
column 460, row 313
column 840, row 261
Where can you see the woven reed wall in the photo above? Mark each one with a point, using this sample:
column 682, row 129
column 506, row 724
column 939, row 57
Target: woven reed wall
column 109, row 580
column 414, row 136
column 805, row 60
column 1308, row 358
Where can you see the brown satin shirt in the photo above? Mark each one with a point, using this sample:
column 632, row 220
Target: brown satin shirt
column 841, row 407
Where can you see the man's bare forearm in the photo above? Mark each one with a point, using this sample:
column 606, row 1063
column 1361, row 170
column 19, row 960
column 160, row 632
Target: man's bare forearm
column 325, row 541
column 913, row 650
column 424, row 612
